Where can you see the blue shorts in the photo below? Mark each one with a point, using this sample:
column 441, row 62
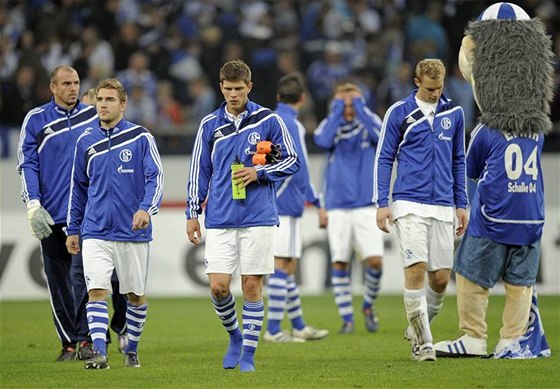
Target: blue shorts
column 484, row 261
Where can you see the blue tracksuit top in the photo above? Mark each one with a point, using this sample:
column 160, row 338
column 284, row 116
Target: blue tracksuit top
column 351, row 150
column 217, row 145
column 431, row 158
column 508, row 206
column 116, row 173
column 294, row 191
column 45, row 154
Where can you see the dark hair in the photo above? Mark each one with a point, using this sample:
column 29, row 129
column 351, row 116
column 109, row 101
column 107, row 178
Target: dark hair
column 290, row 88
column 235, row 71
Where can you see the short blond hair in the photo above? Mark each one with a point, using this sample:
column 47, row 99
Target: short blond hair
column 430, row 67
column 91, row 94
column 112, row 83
column 346, row 86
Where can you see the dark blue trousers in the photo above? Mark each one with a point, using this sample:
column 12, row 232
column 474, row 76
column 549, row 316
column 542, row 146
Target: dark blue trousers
column 67, row 288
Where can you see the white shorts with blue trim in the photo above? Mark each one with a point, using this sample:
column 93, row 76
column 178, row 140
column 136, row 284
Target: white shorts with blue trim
column 287, row 238
column 425, row 239
column 129, row 259
column 247, row 250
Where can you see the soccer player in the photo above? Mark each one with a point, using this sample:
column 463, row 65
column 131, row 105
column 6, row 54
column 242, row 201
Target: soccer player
column 118, row 321
column 241, row 212
column 46, row 148
column 291, row 195
column 425, row 134
column 350, row 133
column 116, row 188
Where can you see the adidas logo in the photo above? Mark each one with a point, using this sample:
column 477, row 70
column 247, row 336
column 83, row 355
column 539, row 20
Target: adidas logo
column 91, row 151
column 410, row 119
column 49, row 131
column 218, row 134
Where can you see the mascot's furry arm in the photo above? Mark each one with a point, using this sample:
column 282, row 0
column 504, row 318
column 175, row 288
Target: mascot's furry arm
column 509, row 65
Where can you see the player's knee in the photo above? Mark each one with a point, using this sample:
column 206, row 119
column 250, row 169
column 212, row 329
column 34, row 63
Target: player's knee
column 439, row 282
column 375, row 263
column 219, row 291
column 97, row 295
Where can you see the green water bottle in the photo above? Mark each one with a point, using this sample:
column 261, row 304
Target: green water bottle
column 237, row 191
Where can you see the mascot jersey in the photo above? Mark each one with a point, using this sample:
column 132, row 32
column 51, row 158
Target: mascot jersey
column 508, row 206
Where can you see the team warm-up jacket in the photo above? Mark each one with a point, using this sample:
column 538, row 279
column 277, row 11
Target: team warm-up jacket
column 45, row 154
column 508, row 206
column 218, row 144
column 431, row 158
column 294, row 191
column 351, row 150
column 116, row 172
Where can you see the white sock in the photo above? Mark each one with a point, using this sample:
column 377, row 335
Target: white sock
column 435, row 302
column 417, row 314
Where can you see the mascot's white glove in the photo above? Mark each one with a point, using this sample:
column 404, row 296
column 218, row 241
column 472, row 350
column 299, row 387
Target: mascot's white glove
column 39, row 220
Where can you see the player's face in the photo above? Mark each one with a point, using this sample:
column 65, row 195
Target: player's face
column 110, row 108
column 429, row 89
column 236, row 95
column 66, row 88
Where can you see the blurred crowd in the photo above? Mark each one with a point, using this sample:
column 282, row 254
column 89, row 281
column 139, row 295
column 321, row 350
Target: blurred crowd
column 168, row 53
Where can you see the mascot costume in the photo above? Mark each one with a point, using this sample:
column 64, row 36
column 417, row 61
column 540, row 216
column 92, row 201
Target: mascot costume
column 507, row 58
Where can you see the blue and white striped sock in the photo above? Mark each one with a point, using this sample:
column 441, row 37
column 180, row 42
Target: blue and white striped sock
column 135, row 319
column 277, row 292
column 225, row 309
column 98, row 322
column 343, row 294
column 253, row 316
column 295, row 313
column 371, row 286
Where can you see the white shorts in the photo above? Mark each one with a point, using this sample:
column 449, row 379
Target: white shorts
column 354, row 227
column 287, row 238
column 129, row 259
column 427, row 240
column 249, row 250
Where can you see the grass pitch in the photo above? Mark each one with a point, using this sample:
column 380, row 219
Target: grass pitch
column 183, row 343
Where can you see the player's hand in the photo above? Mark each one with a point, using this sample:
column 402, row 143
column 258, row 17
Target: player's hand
column 245, row 176
column 323, row 218
column 140, row 220
column 39, row 220
column 463, row 221
column 382, row 215
column 193, row 231
column 73, row 244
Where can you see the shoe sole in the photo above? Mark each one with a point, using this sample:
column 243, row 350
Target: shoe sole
column 90, row 365
column 444, row 354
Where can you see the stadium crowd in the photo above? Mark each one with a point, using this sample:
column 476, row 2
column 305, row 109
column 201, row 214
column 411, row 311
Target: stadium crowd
column 168, row 53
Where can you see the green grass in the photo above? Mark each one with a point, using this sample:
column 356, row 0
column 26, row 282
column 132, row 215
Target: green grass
column 183, row 343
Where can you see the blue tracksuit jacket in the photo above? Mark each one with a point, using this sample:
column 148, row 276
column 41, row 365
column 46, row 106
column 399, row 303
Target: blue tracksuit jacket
column 351, row 150
column 45, row 154
column 218, row 144
column 508, row 206
column 116, row 173
column 294, row 191
column 431, row 159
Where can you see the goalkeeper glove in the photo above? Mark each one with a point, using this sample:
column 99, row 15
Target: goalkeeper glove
column 39, row 220
column 267, row 152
